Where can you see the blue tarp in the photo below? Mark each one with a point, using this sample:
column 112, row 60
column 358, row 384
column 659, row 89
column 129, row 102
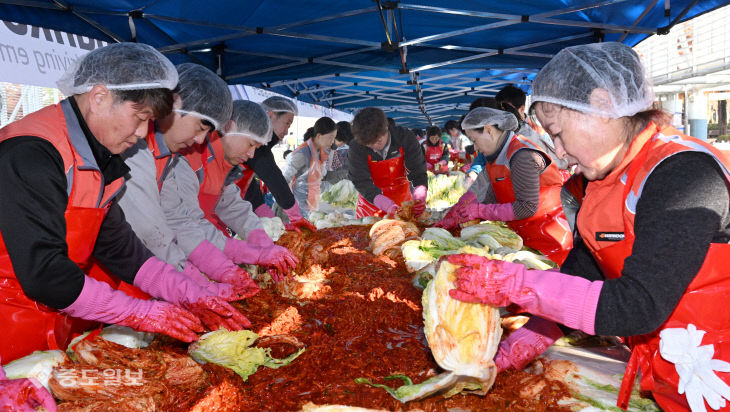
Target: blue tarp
column 421, row 61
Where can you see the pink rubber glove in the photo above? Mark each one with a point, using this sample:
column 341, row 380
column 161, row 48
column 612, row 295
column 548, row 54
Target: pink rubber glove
column 526, row 343
column 279, row 260
column 258, row 237
column 569, row 300
column 497, row 211
column 24, row 395
column 211, row 260
column 297, row 221
column 419, row 197
column 456, row 214
column 264, row 211
column 99, row 302
column 162, row 281
column 385, row 204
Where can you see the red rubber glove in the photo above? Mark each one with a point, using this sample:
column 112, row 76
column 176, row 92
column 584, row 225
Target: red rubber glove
column 456, row 214
column 570, row 300
column 24, row 395
column 162, row 281
column 526, row 343
column 297, row 221
column 99, row 302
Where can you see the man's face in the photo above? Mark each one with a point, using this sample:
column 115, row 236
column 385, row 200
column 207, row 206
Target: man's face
column 454, row 132
column 185, row 131
column 117, row 125
column 380, row 142
column 281, row 122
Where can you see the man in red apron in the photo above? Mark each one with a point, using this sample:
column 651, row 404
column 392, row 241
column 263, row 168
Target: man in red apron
column 61, row 171
column 654, row 223
column 202, row 103
column 384, row 163
column 202, row 201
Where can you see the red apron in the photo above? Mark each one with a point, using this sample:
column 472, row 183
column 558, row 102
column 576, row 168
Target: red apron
column 244, row 182
column 547, row 230
column 389, row 175
column 608, row 212
column 27, row 324
column 433, row 154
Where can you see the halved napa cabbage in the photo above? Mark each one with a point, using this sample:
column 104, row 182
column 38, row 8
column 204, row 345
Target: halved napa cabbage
column 463, row 338
column 38, row 365
column 486, row 234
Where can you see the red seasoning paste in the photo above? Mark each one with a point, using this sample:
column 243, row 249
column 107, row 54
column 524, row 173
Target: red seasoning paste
column 362, row 318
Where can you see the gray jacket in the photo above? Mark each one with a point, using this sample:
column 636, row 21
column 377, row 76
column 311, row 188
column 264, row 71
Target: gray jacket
column 180, row 202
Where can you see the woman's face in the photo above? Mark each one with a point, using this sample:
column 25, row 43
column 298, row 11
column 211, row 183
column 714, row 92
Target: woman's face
column 434, row 139
column 325, row 141
column 594, row 145
column 487, row 141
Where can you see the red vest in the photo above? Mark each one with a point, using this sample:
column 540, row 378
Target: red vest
column 609, row 208
column 27, row 324
column 547, row 230
column 162, row 161
column 209, row 163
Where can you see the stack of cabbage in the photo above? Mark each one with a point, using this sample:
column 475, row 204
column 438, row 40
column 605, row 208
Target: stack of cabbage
column 342, row 194
column 463, row 338
column 488, row 239
column 322, row 220
column 444, row 190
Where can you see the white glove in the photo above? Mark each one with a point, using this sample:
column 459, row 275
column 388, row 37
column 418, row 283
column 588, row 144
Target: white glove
column 695, row 367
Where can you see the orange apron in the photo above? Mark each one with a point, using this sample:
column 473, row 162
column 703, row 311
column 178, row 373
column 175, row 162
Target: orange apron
column 547, row 230
column 27, row 324
column 390, row 176
column 608, row 212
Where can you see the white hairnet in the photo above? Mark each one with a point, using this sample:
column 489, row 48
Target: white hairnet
column 119, row 66
column 203, row 94
column 482, row 116
column 569, row 78
column 278, row 104
column 251, row 121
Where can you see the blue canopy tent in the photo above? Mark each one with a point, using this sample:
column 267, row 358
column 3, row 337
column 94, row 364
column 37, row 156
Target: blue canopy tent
column 421, row 63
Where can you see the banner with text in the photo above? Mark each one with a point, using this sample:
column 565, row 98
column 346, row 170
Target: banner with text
column 38, row 56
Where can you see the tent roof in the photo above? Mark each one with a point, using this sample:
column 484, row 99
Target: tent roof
column 420, row 62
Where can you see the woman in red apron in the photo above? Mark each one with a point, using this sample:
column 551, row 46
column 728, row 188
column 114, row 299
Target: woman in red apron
column 652, row 264
column 524, row 185
column 306, row 165
column 436, row 151
column 385, row 162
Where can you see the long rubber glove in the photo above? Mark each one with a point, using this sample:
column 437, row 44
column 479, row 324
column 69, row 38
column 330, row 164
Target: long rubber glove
column 386, row 204
column 569, row 300
column 99, row 302
column 456, row 214
column 24, row 395
column 278, row 259
column 419, row 198
column 162, row 281
column 264, row 211
column 216, row 265
column 496, row 211
column 297, row 221
column 258, row 237
column 526, row 343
